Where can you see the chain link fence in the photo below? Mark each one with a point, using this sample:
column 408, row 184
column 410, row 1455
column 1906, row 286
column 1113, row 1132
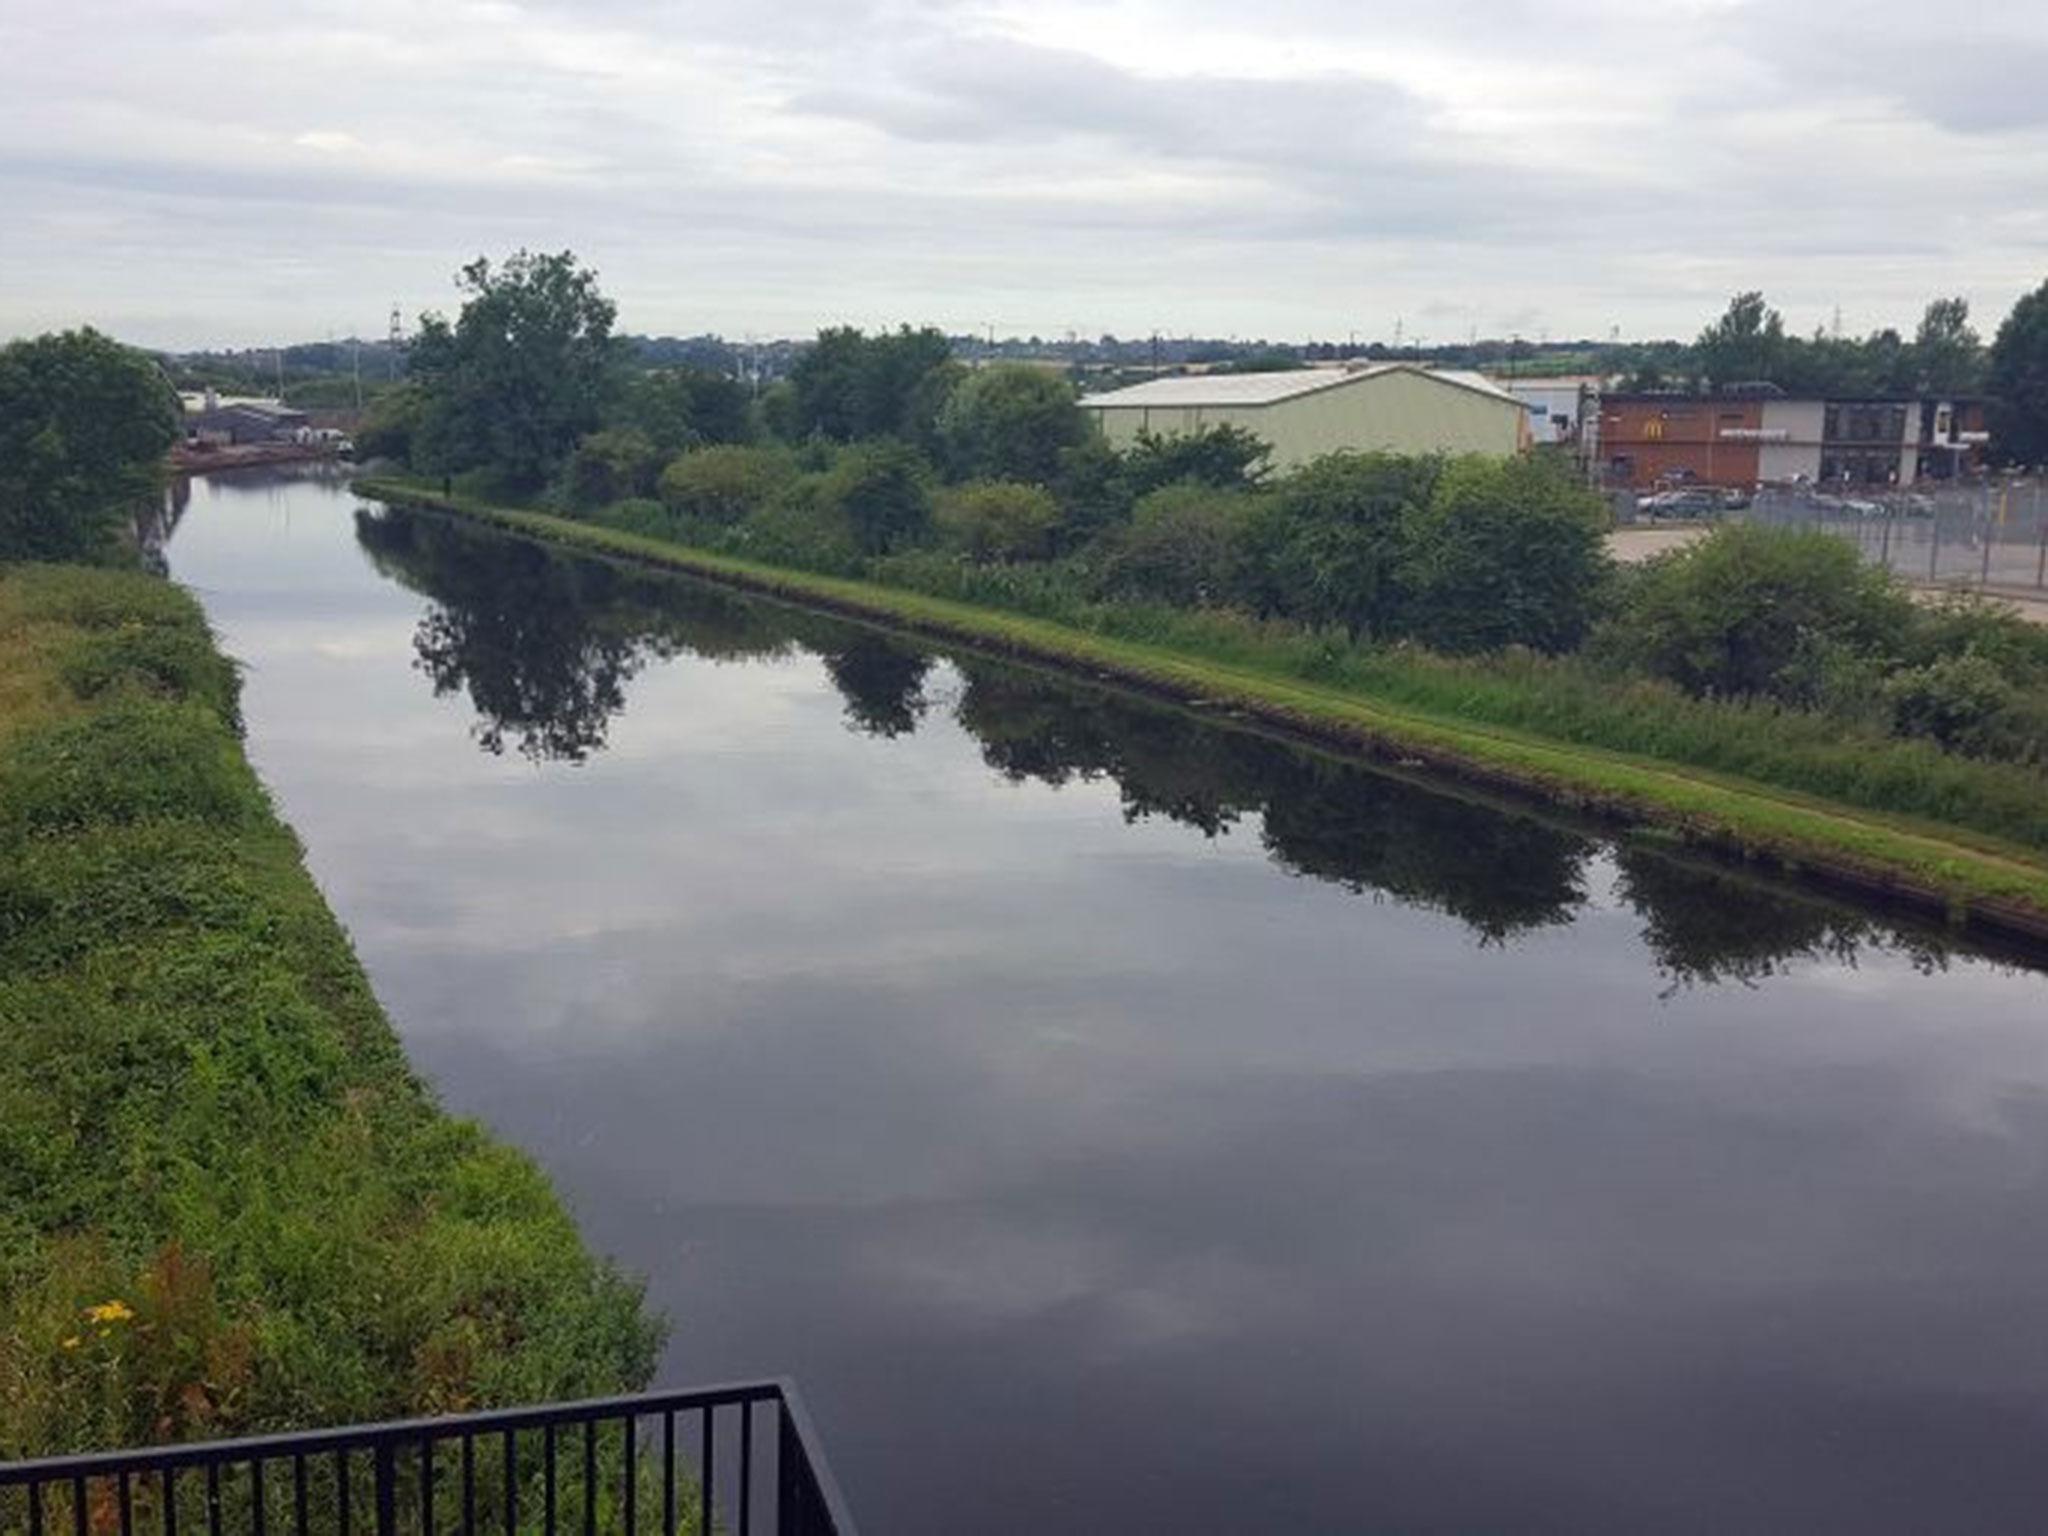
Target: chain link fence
column 1992, row 535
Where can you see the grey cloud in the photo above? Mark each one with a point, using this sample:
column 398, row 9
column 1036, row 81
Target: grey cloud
column 737, row 166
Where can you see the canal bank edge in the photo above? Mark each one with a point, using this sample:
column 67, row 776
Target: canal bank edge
column 1959, row 876
column 227, row 1203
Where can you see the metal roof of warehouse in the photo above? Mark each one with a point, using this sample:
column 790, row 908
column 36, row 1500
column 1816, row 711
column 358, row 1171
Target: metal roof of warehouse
column 1217, row 389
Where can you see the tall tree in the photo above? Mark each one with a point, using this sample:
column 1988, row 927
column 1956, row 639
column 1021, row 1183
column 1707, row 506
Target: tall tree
column 1948, row 355
column 84, row 426
column 1747, row 344
column 528, row 367
column 2019, row 381
column 1011, row 422
column 849, row 385
column 1329, row 541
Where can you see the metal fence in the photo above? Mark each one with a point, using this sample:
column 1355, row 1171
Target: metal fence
column 1992, row 536
column 738, row 1459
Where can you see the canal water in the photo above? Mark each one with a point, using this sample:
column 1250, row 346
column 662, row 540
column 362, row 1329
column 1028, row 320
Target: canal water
column 1118, row 1123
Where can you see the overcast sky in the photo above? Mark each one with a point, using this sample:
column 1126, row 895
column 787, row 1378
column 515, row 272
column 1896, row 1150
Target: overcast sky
column 184, row 172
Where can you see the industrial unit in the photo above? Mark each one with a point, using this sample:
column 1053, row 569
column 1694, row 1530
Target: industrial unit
column 1305, row 413
column 211, row 420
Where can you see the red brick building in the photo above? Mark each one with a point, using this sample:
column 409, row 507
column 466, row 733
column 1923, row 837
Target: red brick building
column 1743, row 441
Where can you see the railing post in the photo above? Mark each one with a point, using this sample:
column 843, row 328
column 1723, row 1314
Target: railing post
column 791, row 1514
column 387, row 1490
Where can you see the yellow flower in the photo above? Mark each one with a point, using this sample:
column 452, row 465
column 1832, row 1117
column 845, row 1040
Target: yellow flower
column 73, row 1342
column 109, row 1312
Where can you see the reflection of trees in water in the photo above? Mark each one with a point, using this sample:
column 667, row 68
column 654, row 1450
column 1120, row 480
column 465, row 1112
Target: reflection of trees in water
column 881, row 681
column 1499, row 874
column 1709, row 925
column 544, row 644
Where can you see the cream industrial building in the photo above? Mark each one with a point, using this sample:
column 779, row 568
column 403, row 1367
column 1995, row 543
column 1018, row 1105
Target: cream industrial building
column 1307, row 412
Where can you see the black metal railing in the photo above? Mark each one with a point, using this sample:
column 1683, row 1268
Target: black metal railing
column 740, row 1460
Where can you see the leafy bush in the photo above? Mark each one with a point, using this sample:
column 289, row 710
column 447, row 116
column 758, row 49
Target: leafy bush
column 882, row 492
column 849, row 386
column 722, row 485
column 1010, row 422
column 682, row 408
column 391, row 425
column 999, row 520
column 84, row 426
column 1964, row 623
column 1954, row 700
column 1506, row 552
column 1227, row 457
column 1741, row 612
column 609, row 466
column 1184, row 544
column 1331, row 538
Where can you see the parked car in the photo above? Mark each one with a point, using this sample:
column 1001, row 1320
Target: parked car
column 1688, row 504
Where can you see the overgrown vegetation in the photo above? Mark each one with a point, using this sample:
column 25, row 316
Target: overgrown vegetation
column 1475, row 590
column 226, row 1205
column 84, row 426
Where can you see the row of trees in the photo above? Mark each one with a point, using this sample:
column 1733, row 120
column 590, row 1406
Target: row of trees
column 882, row 456
column 1749, row 345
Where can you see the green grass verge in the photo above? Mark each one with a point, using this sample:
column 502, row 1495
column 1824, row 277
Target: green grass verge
column 226, row 1204
column 1961, row 870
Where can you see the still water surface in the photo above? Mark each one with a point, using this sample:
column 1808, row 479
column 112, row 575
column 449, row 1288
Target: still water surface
column 1120, row 1124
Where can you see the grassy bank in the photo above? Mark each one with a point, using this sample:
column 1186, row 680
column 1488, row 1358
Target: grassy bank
column 226, row 1204
column 1898, row 818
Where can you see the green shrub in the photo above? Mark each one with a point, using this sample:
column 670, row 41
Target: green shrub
column 1227, row 457
column 1506, row 552
column 610, row 466
column 1957, row 701
column 1184, row 544
column 881, row 490
column 1010, row 421
column 722, row 485
column 1740, row 612
column 84, row 427
column 1964, row 623
column 1330, row 541
column 998, row 520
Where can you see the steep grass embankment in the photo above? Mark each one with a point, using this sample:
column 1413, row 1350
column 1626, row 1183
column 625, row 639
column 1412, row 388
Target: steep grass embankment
column 226, row 1204
column 1973, row 845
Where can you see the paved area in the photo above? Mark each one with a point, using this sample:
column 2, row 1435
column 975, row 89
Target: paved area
column 1634, row 544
